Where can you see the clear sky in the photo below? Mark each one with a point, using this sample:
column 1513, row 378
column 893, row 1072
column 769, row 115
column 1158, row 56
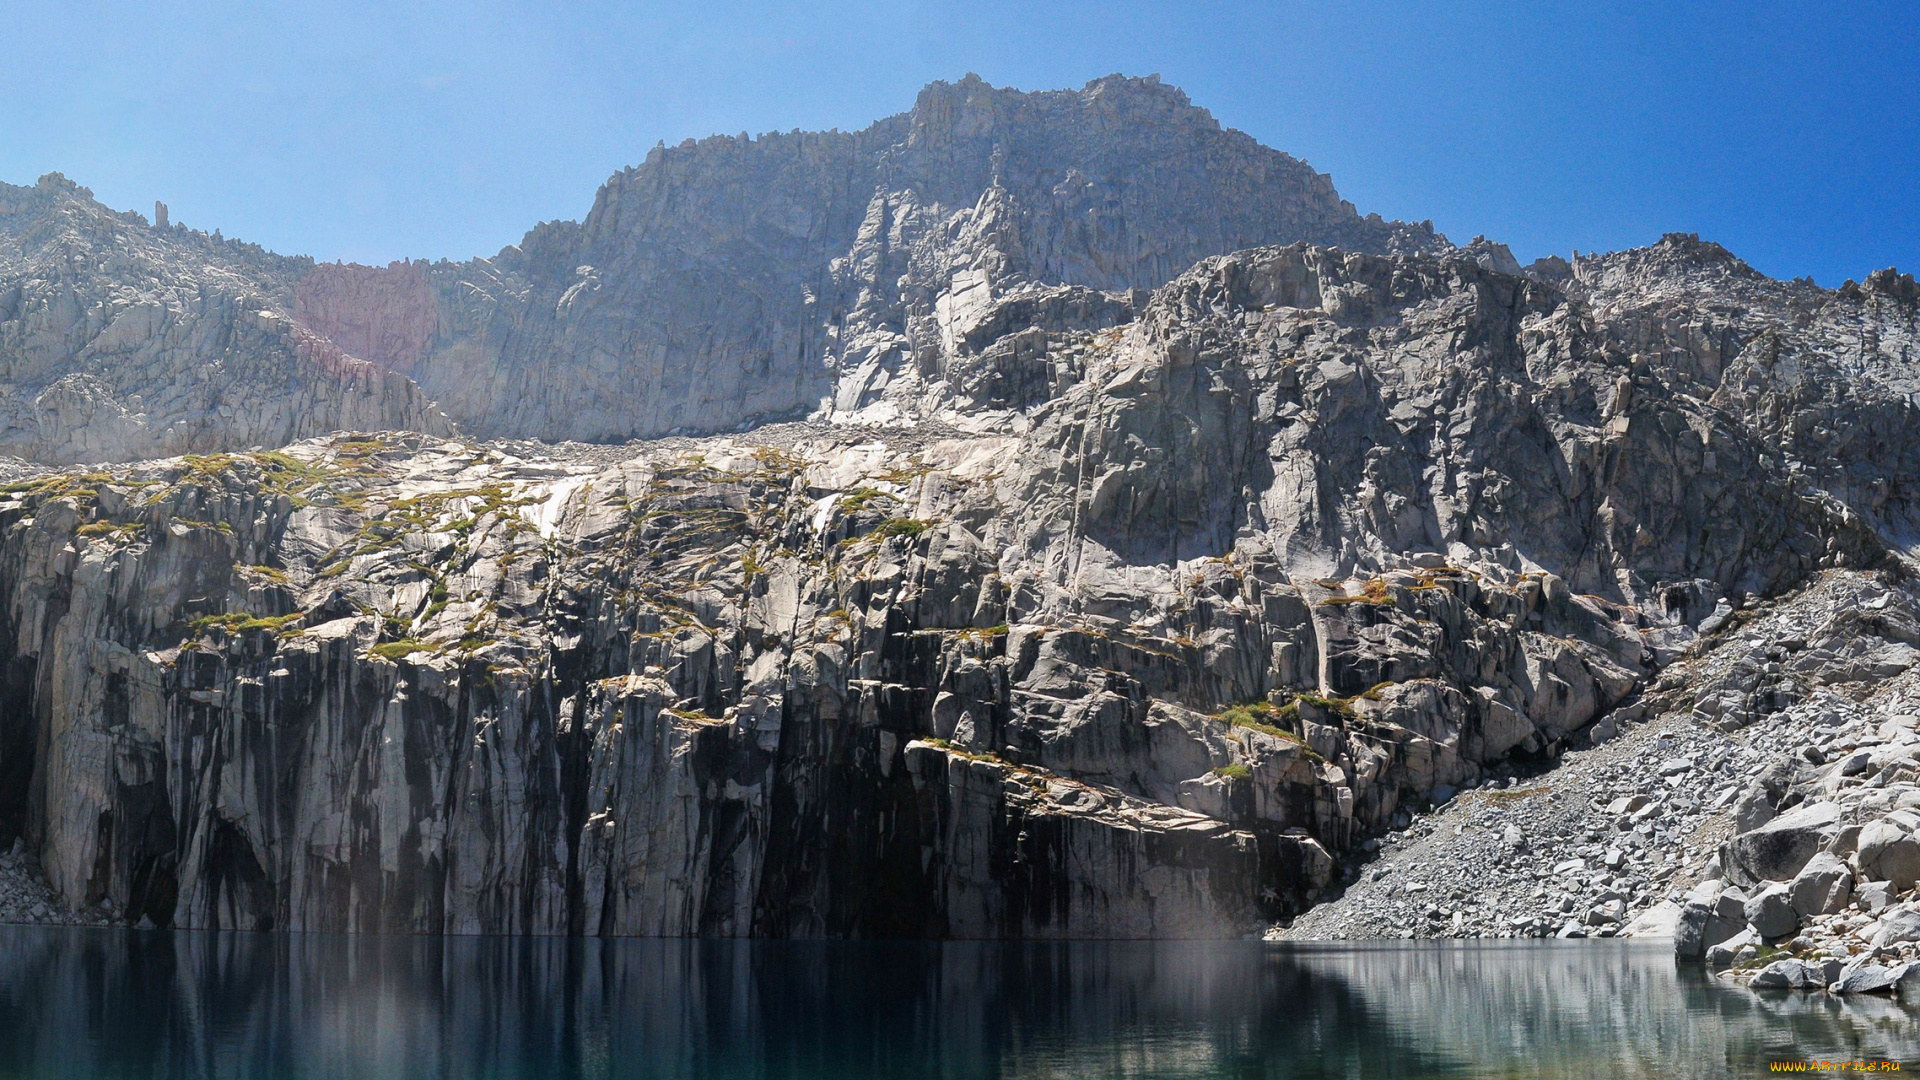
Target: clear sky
column 425, row 128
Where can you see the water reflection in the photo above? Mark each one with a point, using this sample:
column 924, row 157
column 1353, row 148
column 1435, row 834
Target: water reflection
column 158, row 1004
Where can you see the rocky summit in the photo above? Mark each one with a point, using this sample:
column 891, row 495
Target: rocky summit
column 1035, row 515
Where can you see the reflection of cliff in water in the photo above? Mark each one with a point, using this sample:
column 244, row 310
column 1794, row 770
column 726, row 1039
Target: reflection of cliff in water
column 1602, row 1009
column 94, row 1003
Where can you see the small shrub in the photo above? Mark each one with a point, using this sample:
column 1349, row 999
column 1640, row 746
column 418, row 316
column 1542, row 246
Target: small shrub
column 1375, row 591
column 1235, row 771
column 399, row 650
column 1253, row 714
column 1332, row 705
column 1265, row 717
column 239, row 622
column 911, row 528
column 856, row 500
column 1372, row 693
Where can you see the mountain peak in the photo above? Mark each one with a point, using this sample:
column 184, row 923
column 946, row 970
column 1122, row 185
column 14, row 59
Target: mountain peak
column 732, row 279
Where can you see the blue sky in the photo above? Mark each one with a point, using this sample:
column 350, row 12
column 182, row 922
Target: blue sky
column 422, row 128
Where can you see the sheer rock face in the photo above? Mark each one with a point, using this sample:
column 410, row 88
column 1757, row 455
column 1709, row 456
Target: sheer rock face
column 717, row 284
column 735, row 279
column 1208, row 597
column 1084, row 609
column 118, row 341
column 675, row 695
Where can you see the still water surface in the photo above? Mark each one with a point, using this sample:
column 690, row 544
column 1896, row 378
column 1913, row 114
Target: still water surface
column 99, row 1003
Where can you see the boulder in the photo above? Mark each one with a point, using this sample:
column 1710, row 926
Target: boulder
column 1889, row 853
column 1874, row 897
column 1822, row 887
column 1869, row 979
column 1753, row 810
column 1855, row 763
column 1722, row 956
column 1771, row 914
column 1782, row 847
column 1789, row 975
column 1658, row 923
column 1845, row 841
column 1627, row 804
column 1607, row 912
column 1900, row 924
column 1701, row 923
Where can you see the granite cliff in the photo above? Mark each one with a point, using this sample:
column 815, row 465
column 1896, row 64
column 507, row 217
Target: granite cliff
column 718, row 284
column 1162, row 534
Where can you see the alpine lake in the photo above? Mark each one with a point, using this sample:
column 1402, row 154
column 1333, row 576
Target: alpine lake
column 153, row 1004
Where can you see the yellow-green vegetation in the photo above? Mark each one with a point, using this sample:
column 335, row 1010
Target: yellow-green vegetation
column 456, row 512
column 1430, row 578
column 54, row 483
column 1767, row 955
column 1343, row 706
column 1372, row 693
column 1152, row 646
column 1235, row 771
column 1375, row 591
column 697, row 530
column 906, row 473
column 910, row 528
column 273, row 574
column 1266, row 718
column 303, row 482
column 693, row 714
column 239, row 622
column 119, row 530
column 360, row 449
column 858, row 499
column 971, row 755
column 775, row 460
column 216, row 526
column 399, row 650
column 1258, row 715
column 1508, row 795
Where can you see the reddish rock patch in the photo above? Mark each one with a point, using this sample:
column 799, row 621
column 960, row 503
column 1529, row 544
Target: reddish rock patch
column 388, row 315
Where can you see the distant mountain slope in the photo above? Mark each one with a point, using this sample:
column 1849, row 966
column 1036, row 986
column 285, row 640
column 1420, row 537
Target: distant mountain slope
column 120, row 341
column 719, row 283
column 734, row 279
